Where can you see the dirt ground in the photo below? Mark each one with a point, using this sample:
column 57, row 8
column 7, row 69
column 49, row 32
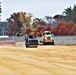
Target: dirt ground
column 44, row 60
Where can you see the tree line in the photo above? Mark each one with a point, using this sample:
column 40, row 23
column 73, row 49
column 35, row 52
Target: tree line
column 21, row 23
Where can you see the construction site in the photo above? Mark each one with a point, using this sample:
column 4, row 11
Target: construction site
column 57, row 59
column 37, row 46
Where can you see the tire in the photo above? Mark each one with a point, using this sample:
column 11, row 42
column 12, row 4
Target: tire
column 27, row 45
column 44, row 43
column 52, row 43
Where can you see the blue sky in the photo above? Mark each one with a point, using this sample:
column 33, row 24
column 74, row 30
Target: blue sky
column 39, row 8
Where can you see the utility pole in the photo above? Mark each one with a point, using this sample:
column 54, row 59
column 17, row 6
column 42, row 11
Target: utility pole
column 0, row 11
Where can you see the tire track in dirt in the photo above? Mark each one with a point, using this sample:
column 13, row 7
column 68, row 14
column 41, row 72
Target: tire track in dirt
column 7, row 61
column 43, row 60
column 22, row 67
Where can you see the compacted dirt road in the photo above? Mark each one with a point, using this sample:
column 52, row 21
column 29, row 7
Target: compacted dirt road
column 44, row 60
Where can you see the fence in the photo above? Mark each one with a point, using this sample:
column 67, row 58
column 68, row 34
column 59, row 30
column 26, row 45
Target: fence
column 57, row 39
column 18, row 39
column 65, row 39
column 6, row 40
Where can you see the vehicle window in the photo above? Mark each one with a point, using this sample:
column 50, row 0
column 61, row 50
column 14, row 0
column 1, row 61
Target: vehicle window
column 48, row 33
column 30, row 36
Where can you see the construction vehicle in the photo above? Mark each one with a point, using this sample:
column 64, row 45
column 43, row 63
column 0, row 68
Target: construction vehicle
column 47, row 38
column 31, row 41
